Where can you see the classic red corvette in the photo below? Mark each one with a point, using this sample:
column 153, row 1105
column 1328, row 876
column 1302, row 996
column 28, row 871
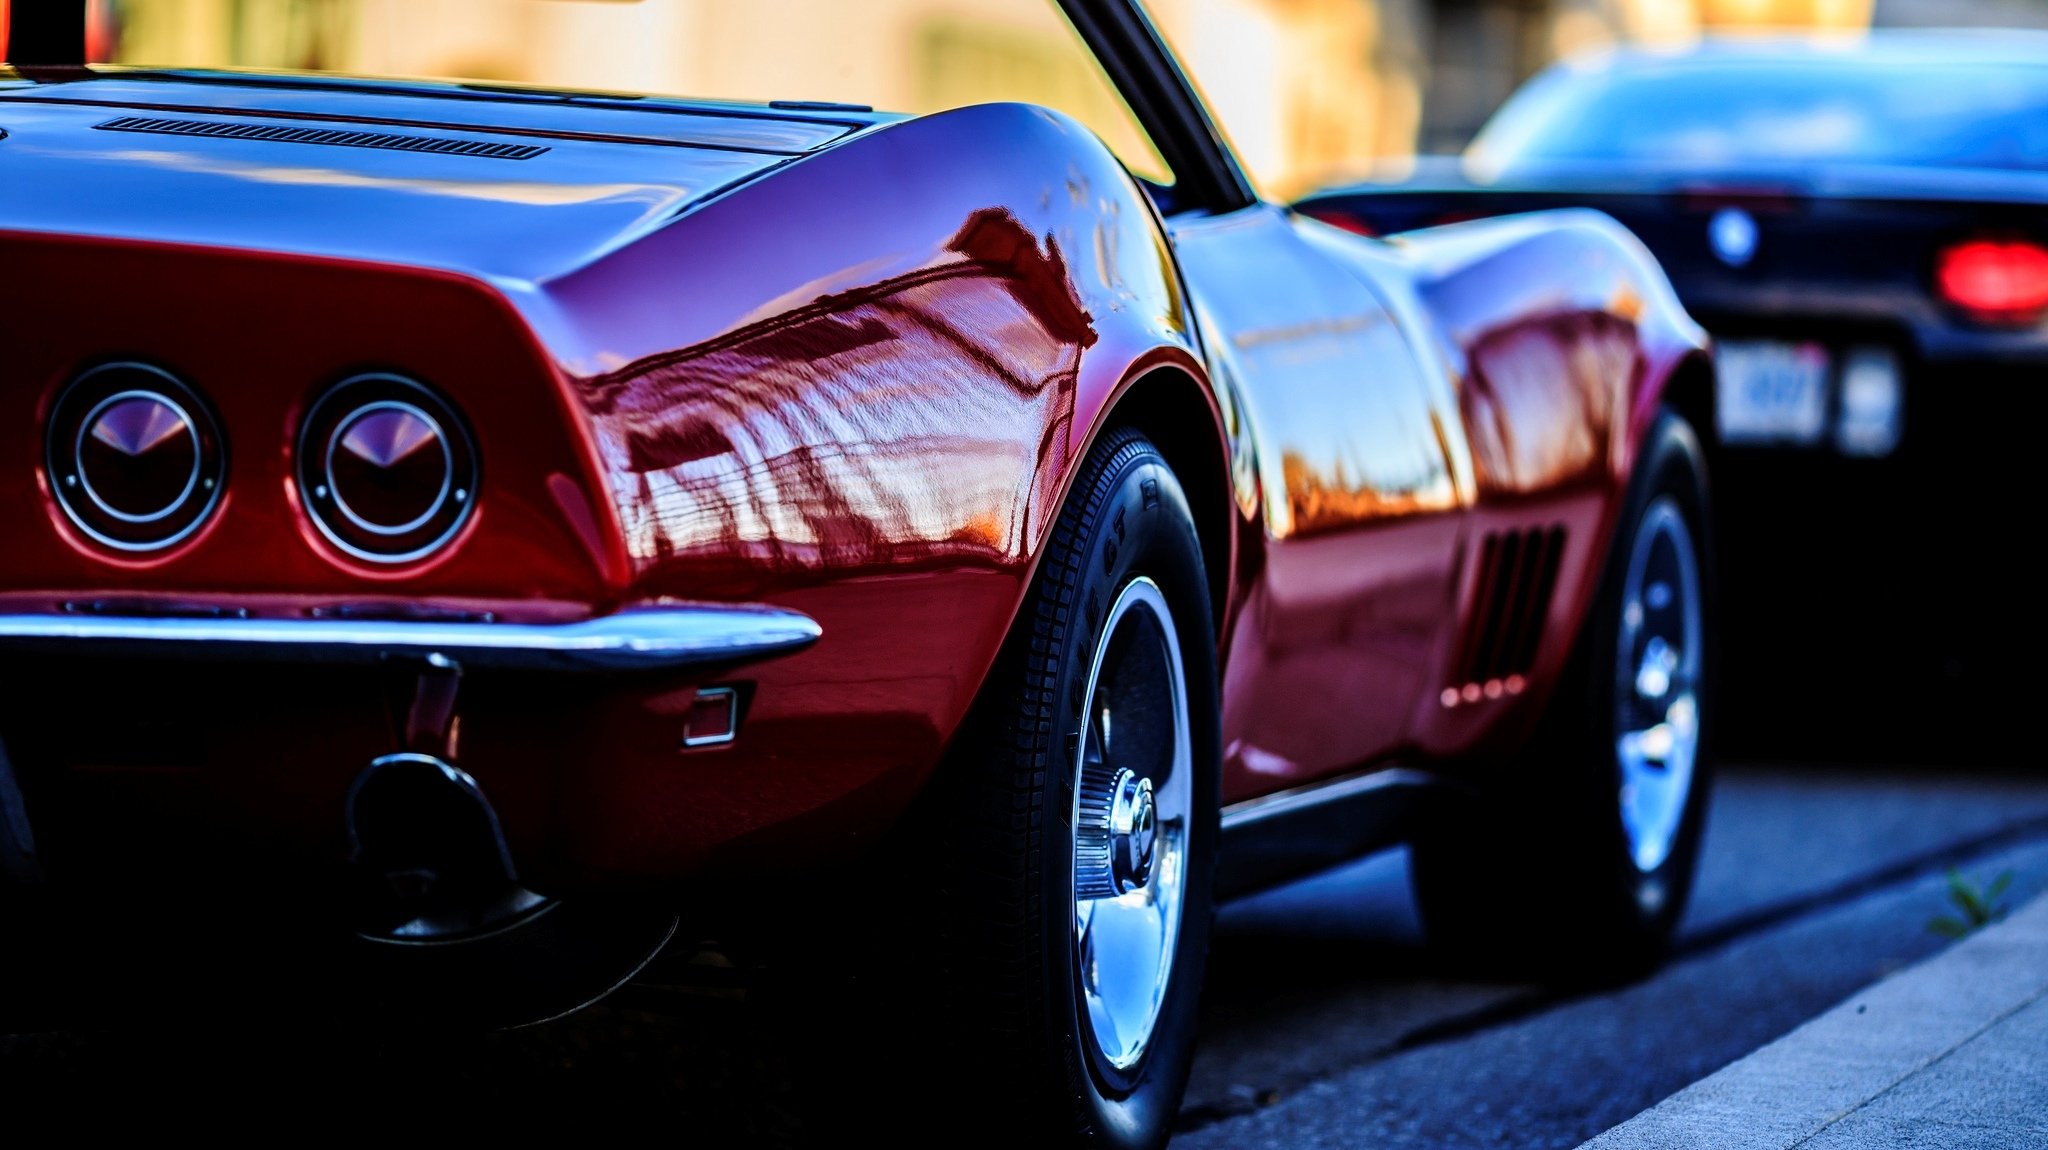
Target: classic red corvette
column 552, row 515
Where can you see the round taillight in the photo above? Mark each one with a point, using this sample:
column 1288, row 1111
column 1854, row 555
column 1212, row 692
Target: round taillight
column 386, row 469
column 134, row 457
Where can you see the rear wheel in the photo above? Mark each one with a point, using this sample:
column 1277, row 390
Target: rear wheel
column 1579, row 863
column 1083, row 807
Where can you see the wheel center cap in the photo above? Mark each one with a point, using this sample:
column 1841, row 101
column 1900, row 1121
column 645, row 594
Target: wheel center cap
column 1117, row 837
column 1132, row 830
column 1656, row 670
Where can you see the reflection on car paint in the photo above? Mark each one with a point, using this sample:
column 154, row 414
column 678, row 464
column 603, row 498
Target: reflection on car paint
column 877, row 426
column 1588, row 360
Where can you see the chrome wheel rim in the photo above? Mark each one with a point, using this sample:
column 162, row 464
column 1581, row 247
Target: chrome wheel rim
column 1657, row 721
column 1131, row 817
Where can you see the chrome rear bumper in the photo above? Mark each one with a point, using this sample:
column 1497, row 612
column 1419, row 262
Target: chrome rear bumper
column 664, row 638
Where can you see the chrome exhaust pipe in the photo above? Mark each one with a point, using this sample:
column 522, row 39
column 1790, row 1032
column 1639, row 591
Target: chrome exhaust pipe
column 428, row 854
column 453, row 938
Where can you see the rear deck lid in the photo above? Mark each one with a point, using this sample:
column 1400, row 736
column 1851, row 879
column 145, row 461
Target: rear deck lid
column 513, row 185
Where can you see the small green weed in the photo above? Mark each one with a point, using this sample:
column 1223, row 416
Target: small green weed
column 1976, row 906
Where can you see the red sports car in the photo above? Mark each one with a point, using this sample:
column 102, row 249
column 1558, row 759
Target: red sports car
column 505, row 522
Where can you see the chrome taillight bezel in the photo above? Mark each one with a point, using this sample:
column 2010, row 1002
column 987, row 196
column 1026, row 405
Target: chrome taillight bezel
column 324, row 500
column 74, row 416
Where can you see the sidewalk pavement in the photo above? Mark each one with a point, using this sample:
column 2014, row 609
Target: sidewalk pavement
column 1952, row 1053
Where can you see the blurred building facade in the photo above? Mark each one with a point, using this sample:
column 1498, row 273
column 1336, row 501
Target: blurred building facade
column 1307, row 89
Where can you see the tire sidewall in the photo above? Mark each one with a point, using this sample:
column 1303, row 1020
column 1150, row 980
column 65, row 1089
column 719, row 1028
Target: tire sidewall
column 1669, row 465
column 1142, row 528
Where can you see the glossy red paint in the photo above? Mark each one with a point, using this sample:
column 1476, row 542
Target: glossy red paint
column 261, row 336
column 1515, row 396
column 875, row 426
column 841, row 365
column 1356, row 508
column 1566, row 334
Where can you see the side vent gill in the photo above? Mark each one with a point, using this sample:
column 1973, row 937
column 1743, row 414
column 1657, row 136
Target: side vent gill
column 1510, row 600
column 334, row 137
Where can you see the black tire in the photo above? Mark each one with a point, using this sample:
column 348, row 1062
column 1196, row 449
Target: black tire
column 1027, row 1066
column 1537, row 878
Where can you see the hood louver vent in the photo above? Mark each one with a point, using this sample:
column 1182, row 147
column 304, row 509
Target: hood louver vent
column 334, row 137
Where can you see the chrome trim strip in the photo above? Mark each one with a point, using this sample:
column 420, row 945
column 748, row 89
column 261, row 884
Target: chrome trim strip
column 643, row 639
column 1252, row 812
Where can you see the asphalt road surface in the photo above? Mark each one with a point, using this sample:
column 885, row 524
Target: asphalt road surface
column 1324, row 1025
column 1815, row 883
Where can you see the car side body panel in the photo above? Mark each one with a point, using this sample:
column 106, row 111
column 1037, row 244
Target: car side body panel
column 1355, row 496
column 1430, row 443
column 860, row 390
column 1553, row 337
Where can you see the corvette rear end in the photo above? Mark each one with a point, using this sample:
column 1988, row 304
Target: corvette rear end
column 380, row 431
column 309, row 527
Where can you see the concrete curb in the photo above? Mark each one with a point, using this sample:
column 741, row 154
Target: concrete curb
column 1830, row 1068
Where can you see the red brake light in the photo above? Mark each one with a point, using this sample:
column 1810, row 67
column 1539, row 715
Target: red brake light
column 2004, row 281
column 1462, row 215
column 1345, row 220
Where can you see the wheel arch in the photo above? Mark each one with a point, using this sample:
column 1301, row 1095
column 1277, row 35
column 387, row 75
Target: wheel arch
column 1176, row 413
column 1690, row 392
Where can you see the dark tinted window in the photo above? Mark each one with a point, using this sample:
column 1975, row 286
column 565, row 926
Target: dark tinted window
column 1703, row 112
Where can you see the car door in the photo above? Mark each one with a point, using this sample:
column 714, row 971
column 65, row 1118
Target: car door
column 1350, row 431
column 1358, row 455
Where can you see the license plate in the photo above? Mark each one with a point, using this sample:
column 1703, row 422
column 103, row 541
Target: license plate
column 1771, row 391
